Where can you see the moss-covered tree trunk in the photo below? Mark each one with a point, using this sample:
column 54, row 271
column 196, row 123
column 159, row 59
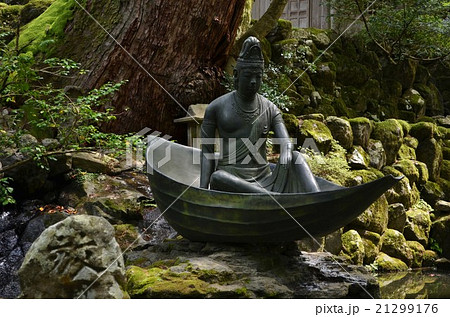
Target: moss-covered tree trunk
column 182, row 44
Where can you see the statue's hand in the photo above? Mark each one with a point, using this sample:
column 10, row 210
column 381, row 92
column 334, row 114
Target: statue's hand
column 286, row 158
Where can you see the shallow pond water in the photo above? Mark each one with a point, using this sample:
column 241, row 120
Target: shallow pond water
column 425, row 283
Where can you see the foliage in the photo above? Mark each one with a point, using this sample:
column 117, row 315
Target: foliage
column 5, row 192
column 332, row 167
column 401, row 28
column 434, row 245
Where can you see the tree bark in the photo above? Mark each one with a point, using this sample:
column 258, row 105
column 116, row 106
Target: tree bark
column 263, row 26
column 181, row 44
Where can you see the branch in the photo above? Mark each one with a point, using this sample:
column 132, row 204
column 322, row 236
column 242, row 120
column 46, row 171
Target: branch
column 366, row 26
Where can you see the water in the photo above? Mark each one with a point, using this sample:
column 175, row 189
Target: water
column 425, row 283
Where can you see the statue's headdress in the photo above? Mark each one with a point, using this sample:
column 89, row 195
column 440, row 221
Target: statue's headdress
column 251, row 54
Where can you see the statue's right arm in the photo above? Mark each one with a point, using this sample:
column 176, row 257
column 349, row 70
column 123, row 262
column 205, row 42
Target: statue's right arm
column 208, row 133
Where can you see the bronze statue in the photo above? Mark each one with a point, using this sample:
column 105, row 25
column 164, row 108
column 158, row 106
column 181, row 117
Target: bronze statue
column 243, row 119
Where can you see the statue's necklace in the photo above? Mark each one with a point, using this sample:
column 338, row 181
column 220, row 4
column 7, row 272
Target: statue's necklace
column 248, row 116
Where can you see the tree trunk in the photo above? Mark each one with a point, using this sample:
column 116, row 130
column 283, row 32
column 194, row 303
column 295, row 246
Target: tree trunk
column 182, row 44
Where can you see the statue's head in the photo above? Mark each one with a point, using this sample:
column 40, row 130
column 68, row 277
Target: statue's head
column 249, row 67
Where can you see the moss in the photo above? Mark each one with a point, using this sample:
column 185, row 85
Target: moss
column 405, row 125
column 446, row 153
column 291, row 122
column 362, row 129
column 423, row 130
column 444, row 133
column 319, row 132
column 417, row 251
column 48, row 27
column 408, row 168
column 353, row 246
column 411, row 142
column 385, row 263
column 429, row 151
column 390, row 133
column 418, row 224
column 423, row 172
column 429, row 258
column 324, row 77
column 445, row 170
column 126, row 235
column 406, row 153
column 393, row 243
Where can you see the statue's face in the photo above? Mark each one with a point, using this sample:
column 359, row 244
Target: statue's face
column 249, row 81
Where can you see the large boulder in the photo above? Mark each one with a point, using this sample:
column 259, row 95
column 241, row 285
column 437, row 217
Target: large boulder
column 385, row 263
column 418, row 252
column 417, row 227
column 390, row 133
column 430, row 152
column 361, row 128
column 440, row 232
column 393, row 243
column 341, row 131
column 75, row 258
column 94, row 162
column 353, row 247
column 423, row 130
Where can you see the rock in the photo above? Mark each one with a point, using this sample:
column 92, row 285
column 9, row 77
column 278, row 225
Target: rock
column 445, row 170
column 402, row 192
column 430, row 152
column 441, row 234
column 280, row 32
column 390, row 133
column 358, row 159
column 429, row 258
column 316, row 99
column 377, row 154
column 432, row 192
column 341, row 131
column 93, row 162
column 371, row 241
column 291, row 122
column 404, row 72
column 353, row 247
column 418, row 252
column 393, row 243
column 407, row 168
column 410, row 141
column 397, row 217
column 111, row 197
column 374, row 218
column 325, row 77
column 413, row 101
column 173, row 269
column 406, row 128
column 417, row 227
column 443, row 121
column 423, row 130
column 319, row 133
column 443, row 264
column 406, row 153
column 27, row 140
column 362, row 129
column 385, row 263
column 50, row 144
column 432, row 97
column 69, row 256
column 423, row 172
column 442, row 206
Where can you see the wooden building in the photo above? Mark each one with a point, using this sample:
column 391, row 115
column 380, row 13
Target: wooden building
column 302, row 13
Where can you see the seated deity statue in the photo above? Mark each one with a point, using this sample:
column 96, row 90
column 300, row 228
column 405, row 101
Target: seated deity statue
column 243, row 119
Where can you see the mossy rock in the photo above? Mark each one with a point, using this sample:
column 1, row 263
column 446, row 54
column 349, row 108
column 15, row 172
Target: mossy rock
column 391, row 88
column 408, row 168
column 341, row 108
column 319, row 37
column 423, row 130
column 370, row 251
column 445, row 169
column 417, row 227
column 385, row 263
column 430, row 152
column 283, row 51
column 397, row 217
column 440, row 232
column 446, row 153
column 341, row 131
column 353, row 247
column 405, row 125
column 431, row 95
column 410, row 141
column 445, row 185
column 377, row 155
column 403, row 192
column 393, row 243
column 303, row 82
column 423, row 172
column 413, row 101
column 406, row 153
column 319, row 132
column 358, row 158
column 390, row 133
column 351, row 73
column 362, row 129
column 429, row 258
column 291, row 122
column 47, row 27
column 418, row 252
column 431, row 192
column 281, row 31
column 404, row 72
column 325, row 77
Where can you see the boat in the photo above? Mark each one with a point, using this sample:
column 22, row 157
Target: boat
column 200, row 214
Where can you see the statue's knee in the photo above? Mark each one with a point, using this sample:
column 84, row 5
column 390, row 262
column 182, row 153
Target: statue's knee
column 217, row 178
